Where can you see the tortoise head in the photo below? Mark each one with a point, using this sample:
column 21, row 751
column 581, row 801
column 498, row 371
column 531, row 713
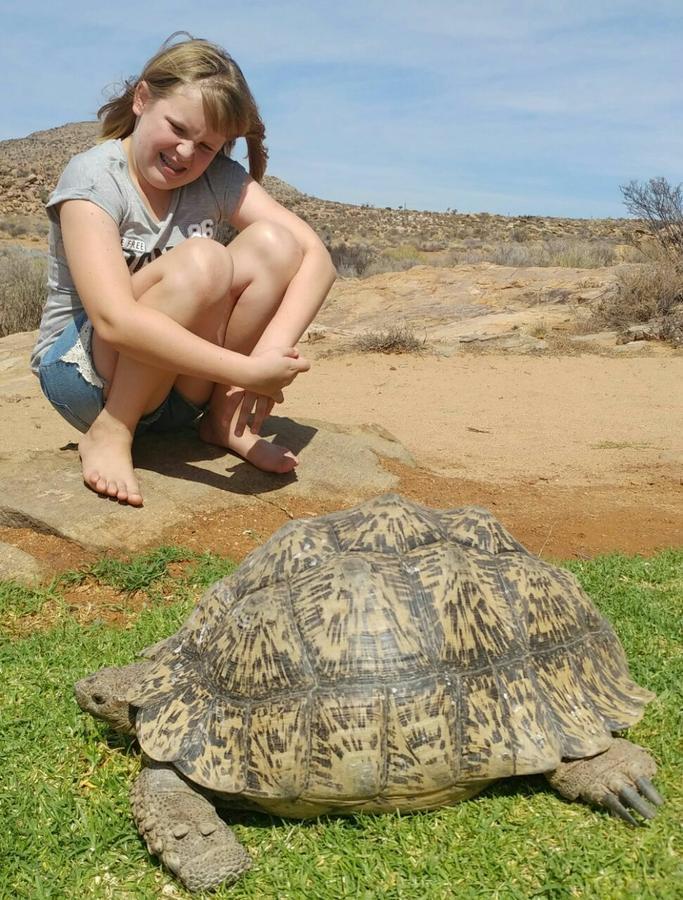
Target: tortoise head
column 103, row 695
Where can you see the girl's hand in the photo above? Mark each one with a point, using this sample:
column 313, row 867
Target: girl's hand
column 273, row 369
column 238, row 398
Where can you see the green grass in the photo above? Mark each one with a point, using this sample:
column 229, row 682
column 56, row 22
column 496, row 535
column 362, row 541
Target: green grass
column 67, row 830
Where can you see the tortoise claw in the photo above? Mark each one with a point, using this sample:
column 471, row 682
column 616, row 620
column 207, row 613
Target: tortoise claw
column 633, row 799
column 646, row 788
column 614, row 805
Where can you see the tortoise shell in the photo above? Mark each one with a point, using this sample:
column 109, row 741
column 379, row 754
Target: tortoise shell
column 386, row 656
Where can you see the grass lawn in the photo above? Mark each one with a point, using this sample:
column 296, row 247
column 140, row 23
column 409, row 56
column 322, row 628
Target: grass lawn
column 67, row 829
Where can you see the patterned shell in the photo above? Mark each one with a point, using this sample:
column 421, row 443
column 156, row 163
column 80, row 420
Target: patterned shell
column 387, row 656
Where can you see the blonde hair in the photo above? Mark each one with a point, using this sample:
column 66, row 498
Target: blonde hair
column 229, row 105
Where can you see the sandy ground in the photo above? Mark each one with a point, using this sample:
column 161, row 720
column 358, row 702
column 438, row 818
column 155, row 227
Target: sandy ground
column 577, row 455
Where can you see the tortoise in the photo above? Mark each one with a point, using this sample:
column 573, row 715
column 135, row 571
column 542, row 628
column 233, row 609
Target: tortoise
column 385, row 657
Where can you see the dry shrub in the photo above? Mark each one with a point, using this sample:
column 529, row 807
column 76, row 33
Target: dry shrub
column 385, row 263
column 23, row 289
column 573, row 254
column 640, row 294
column 24, row 226
column 350, row 260
column 396, row 339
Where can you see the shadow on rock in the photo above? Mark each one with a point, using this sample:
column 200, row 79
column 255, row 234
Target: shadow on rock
column 184, row 456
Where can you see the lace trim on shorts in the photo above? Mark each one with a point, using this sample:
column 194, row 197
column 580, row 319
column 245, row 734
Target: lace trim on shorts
column 81, row 355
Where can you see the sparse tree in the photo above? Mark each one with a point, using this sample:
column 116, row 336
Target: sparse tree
column 659, row 205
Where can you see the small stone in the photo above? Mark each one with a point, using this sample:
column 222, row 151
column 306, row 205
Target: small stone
column 20, row 566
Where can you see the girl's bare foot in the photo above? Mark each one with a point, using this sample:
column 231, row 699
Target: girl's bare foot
column 105, row 451
column 259, row 452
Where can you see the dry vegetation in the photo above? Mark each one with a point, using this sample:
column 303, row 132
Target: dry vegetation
column 22, row 291
column 366, row 240
column 396, row 339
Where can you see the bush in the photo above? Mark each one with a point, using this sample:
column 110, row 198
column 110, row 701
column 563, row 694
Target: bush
column 21, row 226
column 655, row 292
column 659, row 206
column 640, row 294
column 23, row 290
column 350, row 260
column 570, row 253
column 397, row 339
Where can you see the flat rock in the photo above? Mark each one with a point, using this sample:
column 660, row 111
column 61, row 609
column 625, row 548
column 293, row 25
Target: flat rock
column 181, row 475
column 596, row 339
column 448, row 303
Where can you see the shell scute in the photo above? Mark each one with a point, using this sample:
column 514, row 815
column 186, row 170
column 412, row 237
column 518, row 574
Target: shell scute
column 603, row 671
column 582, row 728
column 472, row 526
column 551, row 605
column 297, row 547
column 387, row 525
column 470, row 617
column 346, row 750
column 354, row 616
column 278, row 748
column 251, row 648
column 213, row 754
column 506, row 726
column 163, row 727
column 422, row 746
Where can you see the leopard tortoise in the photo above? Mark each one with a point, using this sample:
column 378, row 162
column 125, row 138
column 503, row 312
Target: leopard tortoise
column 386, row 657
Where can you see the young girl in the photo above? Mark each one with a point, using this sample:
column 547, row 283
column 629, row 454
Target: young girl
column 146, row 329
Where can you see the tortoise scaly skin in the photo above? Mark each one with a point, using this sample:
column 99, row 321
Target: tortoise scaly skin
column 386, row 657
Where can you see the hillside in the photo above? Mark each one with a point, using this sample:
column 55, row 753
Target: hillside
column 30, row 167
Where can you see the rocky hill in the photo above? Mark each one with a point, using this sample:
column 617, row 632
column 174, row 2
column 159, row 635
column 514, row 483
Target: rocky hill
column 30, row 167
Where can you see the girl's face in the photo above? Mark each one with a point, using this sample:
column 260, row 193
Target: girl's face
column 172, row 143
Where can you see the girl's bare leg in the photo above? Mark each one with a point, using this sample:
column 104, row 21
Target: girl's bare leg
column 225, row 296
column 190, row 284
column 265, row 257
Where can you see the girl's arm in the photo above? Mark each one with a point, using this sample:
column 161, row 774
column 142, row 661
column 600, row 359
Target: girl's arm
column 311, row 284
column 93, row 249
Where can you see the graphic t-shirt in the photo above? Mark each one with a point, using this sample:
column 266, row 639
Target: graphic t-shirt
column 101, row 175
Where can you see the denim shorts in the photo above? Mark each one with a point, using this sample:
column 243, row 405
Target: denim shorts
column 76, row 391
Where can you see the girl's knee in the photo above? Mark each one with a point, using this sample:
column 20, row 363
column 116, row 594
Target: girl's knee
column 275, row 246
column 203, row 269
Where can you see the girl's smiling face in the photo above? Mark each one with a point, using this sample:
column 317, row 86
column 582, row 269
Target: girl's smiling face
column 172, row 144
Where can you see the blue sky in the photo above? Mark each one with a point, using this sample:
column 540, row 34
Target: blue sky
column 520, row 107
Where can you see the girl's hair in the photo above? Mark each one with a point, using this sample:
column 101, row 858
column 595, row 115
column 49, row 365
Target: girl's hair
column 229, row 105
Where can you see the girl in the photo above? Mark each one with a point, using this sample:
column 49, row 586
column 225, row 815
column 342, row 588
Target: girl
column 146, row 329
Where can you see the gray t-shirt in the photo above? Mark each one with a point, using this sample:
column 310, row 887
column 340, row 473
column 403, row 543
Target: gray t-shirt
column 101, row 176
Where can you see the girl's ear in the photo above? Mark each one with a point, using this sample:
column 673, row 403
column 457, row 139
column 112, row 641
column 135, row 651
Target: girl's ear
column 140, row 97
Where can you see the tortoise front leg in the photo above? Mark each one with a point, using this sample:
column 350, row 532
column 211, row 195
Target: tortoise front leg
column 616, row 779
column 182, row 828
